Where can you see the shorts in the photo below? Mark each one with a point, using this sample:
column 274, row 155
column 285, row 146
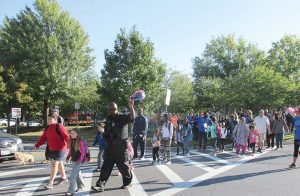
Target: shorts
column 261, row 137
column 57, row 155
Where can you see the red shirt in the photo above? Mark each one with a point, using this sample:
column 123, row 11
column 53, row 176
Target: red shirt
column 55, row 141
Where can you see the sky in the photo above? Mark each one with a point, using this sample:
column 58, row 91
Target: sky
column 179, row 29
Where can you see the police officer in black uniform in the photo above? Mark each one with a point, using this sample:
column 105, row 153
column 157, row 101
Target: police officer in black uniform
column 116, row 150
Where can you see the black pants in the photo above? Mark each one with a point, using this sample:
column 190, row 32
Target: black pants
column 116, row 153
column 202, row 140
column 155, row 153
column 270, row 139
column 222, row 143
column 296, row 148
column 136, row 141
column 180, row 145
column 252, row 146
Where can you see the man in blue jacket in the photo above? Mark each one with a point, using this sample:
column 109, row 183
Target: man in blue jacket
column 203, row 122
column 140, row 129
column 296, row 138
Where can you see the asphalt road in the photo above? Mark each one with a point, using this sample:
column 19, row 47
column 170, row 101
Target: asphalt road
column 226, row 174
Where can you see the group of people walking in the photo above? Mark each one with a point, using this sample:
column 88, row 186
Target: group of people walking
column 241, row 131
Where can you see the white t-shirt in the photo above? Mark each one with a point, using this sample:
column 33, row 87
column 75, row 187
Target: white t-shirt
column 223, row 133
column 261, row 123
column 165, row 132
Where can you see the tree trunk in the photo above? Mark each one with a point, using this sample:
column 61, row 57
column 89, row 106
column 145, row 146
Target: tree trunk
column 45, row 111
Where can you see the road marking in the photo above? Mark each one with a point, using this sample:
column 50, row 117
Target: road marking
column 136, row 188
column 34, row 181
column 18, row 171
column 30, row 188
column 215, row 158
column 185, row 185
column 170, row 174
column 197, row 164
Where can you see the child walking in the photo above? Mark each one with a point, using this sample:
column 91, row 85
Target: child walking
column 155, row 146
column 213, row 135
column 253, row 138
column 242, row 133
column 179, row 138
column 223, row 136
column 99, row 139
column 77, row 154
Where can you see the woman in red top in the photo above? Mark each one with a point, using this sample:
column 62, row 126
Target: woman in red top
column 57, row 137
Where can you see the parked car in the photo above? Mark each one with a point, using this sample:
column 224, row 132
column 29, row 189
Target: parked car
column 34, row 124
column 4, row 122
column 9, row 145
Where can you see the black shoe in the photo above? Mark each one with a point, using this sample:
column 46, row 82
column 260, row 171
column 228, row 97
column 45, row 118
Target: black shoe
column 293, row 165
column 62, row 181
column 79, row 189
column 99, row 187
column 125, row 187
column 97, row 170
column 259, row 150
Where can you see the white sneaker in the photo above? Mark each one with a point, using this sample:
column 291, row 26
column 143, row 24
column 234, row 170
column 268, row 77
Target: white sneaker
column 168, row 163
column 142, row 158
column 48, row 186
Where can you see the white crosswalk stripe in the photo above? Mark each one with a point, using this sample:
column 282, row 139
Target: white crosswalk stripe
column 170, row 174
column 195, row 163
column 30, row 186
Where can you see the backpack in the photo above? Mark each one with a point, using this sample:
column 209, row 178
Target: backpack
column 219, row 131
column 87, row 156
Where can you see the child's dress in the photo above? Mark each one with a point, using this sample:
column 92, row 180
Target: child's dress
column 242, row 134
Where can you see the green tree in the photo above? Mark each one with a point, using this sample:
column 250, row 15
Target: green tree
column 209, row 93
column 284, row 56
column 261, row 87
column 13, row 92
column 130, row 66
column 225, row 56
column 182, row 94
column 84, row 91
column 47, row 49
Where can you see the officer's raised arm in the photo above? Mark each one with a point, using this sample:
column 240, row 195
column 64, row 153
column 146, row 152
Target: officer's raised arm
column 131, row 109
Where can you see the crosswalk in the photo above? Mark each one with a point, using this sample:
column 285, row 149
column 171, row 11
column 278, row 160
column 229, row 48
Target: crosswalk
column 178, row 176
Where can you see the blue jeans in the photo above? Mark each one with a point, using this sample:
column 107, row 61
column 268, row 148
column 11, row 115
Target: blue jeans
column 279, row 137
column 75, row 178
column 186, row 145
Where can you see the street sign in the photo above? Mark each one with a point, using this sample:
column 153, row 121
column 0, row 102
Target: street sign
column 77, row 105
column 168, row 97
column 16, row 112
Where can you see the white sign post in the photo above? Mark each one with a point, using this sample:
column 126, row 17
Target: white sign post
column 77, row 107
column 16, row 113
column 168, row 98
